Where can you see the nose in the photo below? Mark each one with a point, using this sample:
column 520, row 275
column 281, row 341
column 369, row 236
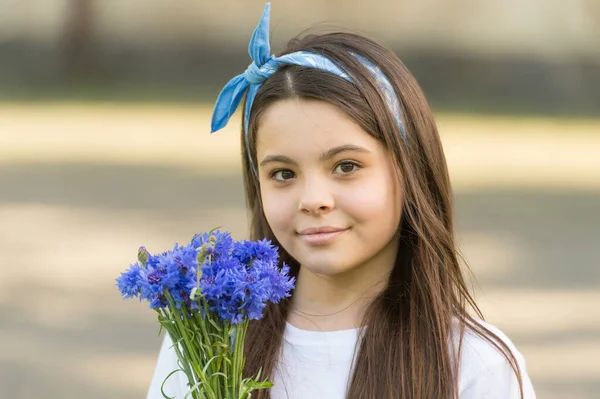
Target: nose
column 316, row 197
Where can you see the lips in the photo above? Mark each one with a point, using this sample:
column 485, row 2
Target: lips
column 320, row 235
column 320, row 230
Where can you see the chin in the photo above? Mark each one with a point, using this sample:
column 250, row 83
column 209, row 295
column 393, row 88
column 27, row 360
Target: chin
column 326, row 267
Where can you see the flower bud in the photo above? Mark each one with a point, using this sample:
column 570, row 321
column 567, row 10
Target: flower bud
column 143, row 256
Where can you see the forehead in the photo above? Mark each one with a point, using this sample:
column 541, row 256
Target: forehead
column 302, row 126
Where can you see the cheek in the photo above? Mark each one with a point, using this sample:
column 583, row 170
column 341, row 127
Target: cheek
column 370, row 196
column 376, row 201
column 278, row 209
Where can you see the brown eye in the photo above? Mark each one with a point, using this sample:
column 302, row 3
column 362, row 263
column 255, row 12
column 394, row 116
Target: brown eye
column 282, row 175
column 346, row 168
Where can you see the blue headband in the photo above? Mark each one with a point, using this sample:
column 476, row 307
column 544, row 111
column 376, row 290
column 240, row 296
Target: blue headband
column 264, row 65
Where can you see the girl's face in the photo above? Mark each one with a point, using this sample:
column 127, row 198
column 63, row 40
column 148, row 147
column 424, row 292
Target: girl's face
column 329, row 190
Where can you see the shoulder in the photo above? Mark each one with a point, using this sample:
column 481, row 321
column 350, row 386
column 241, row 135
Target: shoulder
column 484, row 372
column 477, row 352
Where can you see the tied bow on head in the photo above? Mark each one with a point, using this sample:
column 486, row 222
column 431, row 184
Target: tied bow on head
column 264, row 65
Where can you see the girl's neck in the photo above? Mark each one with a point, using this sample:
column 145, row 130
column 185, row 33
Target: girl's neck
column 348, row 319
column 337, row 302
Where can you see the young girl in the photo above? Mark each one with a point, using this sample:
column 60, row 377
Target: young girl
column 344, row 171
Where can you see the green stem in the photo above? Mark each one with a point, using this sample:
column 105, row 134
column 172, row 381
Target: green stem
column 196, row 365
column 173, row 332
column 209, row 329
column 241, row 348
column 227, row 340
column 238, row 356
column 208, row 341
column 176, row 337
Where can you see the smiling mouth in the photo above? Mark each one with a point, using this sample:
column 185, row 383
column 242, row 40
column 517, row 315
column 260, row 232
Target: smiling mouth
column 321, row 238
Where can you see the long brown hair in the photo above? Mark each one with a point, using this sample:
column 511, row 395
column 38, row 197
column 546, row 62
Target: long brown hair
column 408, row 349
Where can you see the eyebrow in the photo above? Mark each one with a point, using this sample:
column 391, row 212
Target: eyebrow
column 327, row 155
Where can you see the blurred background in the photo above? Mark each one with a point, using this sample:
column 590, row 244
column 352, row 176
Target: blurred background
column 105, row 146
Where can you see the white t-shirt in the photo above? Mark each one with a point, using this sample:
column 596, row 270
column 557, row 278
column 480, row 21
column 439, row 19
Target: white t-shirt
column 317, row 364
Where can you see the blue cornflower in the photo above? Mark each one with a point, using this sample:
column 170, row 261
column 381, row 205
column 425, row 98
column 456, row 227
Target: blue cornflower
column 224, row 290
column 256, row 295
column 183, row 258
column 247, row 251
column 158, row 301
column 152, row 260
column 235, row 282
column 151, row 283
column 222, row 242
column 213, row 285
column 129, row 281
column 280, row 282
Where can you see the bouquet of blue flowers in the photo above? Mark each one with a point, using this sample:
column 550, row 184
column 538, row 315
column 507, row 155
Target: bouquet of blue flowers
column 205, row 293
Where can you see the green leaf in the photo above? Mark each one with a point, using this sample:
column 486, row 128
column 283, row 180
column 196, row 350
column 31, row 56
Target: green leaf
column 195, row 387
column 208, row 364
column 219, row 338
column 163, row 384
column 220, row 345
column 215, row 325
column 262, row 385
column 228, row 360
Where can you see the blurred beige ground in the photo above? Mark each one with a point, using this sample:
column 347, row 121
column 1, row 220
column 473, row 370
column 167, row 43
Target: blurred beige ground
column 81, row 187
